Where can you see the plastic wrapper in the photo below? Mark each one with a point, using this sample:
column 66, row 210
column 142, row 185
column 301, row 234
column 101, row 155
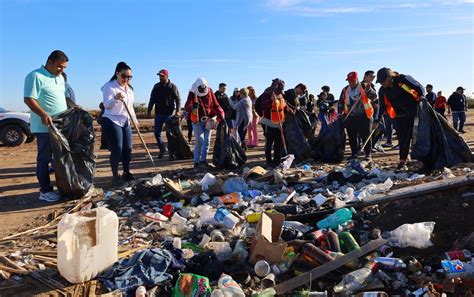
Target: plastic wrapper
column 72, row 144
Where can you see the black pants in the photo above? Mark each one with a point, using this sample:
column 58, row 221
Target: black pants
column 358, row 130
column 441, row 111
column 273, row 140
column 189, row 123
column 404, row 129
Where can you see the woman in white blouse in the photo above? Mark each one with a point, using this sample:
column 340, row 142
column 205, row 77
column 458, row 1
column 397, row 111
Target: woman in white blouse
column 116, row 123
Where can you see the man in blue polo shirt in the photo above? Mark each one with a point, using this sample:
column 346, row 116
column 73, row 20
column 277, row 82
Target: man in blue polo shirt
column 45, row 95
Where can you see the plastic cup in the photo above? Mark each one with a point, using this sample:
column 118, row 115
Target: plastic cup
column 268, row 281
column 262, row 268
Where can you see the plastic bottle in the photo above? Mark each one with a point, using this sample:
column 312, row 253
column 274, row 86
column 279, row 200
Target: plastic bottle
column 462, row 255
column 316, row 254
column 229, row 287
column 318, row 237
column 347, row 242
column 333, row 241
column 240, row 252
column 390, row 264
column 356, row 280
column 338, row 218
column 140, row 292
column 385, row 251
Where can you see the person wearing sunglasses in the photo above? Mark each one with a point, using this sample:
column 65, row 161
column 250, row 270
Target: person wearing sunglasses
column 116, row 121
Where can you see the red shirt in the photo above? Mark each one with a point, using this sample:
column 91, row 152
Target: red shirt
column 440, row 102
column 208, row 105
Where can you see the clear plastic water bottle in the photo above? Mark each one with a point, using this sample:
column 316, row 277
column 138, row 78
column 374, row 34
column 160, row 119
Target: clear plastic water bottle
column 338, row 218
column 356, row 280
column 391, row 264
column 240, row 252
column 229, row 286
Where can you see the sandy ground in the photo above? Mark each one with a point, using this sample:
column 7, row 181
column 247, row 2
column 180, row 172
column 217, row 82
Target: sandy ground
column 20, row 208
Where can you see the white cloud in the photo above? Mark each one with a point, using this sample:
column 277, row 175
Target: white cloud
column 318, row 8
column 353, row 52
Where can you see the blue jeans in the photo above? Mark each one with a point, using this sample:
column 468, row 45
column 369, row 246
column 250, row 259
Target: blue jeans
column 120, row 144
column 459, row 116
column 43, row 157
column 161, row 119
column 201, row 143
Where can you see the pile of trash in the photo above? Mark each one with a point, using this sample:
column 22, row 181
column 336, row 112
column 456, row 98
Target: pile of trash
column 286, row 231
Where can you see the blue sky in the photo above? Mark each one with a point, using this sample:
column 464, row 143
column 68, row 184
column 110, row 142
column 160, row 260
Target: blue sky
column 238, row 42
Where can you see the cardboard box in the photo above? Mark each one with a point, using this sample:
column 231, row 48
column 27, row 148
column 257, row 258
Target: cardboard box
column 266, row 244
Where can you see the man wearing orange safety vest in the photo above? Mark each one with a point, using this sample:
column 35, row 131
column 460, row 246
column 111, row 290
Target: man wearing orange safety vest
column 399, row 98
column 356, row 108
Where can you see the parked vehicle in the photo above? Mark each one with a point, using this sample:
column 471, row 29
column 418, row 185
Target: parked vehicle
column 15, row 128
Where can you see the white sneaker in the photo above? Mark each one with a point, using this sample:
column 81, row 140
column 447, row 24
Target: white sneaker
column 49, row 196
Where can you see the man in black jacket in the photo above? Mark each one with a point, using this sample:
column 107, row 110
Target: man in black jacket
column 458, row 105
column 224, row 102
column 401, row 95
column 165, row 97
column 430, row 95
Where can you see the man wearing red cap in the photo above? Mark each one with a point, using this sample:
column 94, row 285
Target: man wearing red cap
column 356, row 108
column 165, row 97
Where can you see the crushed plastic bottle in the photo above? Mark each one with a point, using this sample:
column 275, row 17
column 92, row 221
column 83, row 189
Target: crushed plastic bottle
column 390, row 264
column 337, row 218
column 240, row 252
column 356, row 280
column 230, row 287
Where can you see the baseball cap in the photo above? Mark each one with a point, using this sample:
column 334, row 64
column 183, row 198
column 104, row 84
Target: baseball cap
column 163, row 72
column 383, row 74
column 352, row 76
column 460, row 88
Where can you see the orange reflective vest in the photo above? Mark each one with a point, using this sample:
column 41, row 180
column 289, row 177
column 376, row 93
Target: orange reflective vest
column 277, row 114
column 388, row 106
column 369, row 110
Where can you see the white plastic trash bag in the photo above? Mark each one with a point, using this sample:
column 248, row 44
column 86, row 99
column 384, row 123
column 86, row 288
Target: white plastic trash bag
column 415, row 235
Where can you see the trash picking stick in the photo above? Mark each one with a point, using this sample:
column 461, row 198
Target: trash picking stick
column 139, row 134
column 352, row 108
column 370, row 137
column 281, row 129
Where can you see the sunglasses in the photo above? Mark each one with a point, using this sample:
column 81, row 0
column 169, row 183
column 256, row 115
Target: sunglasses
column 126, row 76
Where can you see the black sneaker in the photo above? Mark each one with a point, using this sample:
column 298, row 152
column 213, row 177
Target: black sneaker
column 402, row 167
column 171, row 158
column 462, row 131
column 197, row 165
column 388, row 144
column 127, row 176
column 161, row 155
column 205, row 164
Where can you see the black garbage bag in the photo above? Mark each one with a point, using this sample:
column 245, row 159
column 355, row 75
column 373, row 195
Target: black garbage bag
column 436, row 143
column 296, row 142
column 228, row 154
column 179, row 144
column 304, row 122
column 72, row 143
column 205, row 264
column 329, row 146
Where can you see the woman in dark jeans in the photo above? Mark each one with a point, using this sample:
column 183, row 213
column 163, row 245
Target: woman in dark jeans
column 116, row 121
